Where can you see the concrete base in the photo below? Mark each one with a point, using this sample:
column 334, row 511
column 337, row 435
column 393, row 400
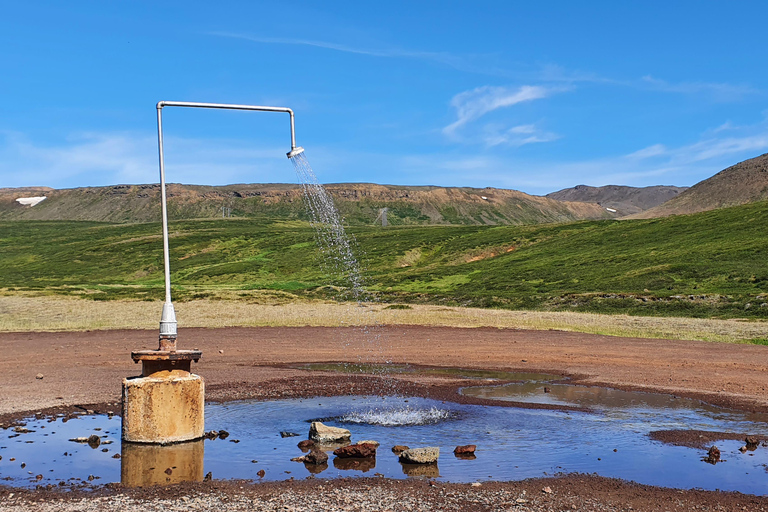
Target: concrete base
column 164, row 407
column 144, row 465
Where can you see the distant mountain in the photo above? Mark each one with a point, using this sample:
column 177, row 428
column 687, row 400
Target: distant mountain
column 745, row 182
column 359, row 203
column 625, row 200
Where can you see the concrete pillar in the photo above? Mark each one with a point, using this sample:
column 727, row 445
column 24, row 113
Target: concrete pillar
column 166, row 403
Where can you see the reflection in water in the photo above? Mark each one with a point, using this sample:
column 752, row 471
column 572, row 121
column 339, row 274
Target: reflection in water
column 357, row 464
column 144, row 465
column 594, row 397
column 423, row 470
column 316, row 469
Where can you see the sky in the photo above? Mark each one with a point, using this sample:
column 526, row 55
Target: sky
column 533, row 96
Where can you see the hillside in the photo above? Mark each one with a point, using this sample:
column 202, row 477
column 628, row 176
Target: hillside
column 745, row 182
column 709, row 264
column 625, row 200
column 359, row 204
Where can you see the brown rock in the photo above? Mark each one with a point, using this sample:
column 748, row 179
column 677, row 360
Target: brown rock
column 399, row 448
column 94, row 441
column 306, row 444
column 316, row 457
column 713, row 455
column 359, row 450
column 465, row 450
column 752, row 442
column 260, row 473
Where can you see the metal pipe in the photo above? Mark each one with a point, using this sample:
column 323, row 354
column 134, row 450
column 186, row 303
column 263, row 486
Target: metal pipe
column 168, row 318
column 230, row 106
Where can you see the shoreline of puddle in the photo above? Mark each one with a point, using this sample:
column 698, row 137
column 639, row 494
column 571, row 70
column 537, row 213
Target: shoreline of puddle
column 481, row 380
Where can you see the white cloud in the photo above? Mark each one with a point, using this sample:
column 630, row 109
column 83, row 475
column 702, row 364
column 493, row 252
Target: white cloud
column 718, row 91
column 89, row 159
column 496, row 135
column 474, row 104
column 460, row 62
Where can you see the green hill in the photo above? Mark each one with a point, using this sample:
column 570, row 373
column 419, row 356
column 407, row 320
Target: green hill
column 711, row 264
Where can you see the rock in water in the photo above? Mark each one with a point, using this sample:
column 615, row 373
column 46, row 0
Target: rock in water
column 465, row 450
column 316, row 457
column 368, row 441
column 427, row 455
column 324, row 434
column 399, row 448
column 305, row 444
column 359, row 450
column 713, row 455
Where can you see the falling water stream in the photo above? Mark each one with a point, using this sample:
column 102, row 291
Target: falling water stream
column 338, row 260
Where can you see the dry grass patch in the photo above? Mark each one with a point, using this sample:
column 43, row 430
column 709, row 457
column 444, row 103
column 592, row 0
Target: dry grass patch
column 60, row 313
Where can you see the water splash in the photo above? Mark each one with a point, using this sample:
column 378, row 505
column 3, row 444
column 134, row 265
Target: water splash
column 399, row 417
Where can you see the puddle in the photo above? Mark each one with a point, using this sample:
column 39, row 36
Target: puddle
column 466, row 373
column 512, row 444
column 613, row 402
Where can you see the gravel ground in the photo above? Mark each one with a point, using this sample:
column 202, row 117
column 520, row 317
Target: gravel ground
column 574, row 492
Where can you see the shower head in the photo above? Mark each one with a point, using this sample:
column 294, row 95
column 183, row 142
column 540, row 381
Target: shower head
column 295, row 151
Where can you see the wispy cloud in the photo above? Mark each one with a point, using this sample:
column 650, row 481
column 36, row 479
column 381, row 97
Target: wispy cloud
column 459, row 62
column 516, row 136
column 472, row 105
column 719, row 91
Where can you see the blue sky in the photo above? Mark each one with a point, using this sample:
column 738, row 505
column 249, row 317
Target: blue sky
column 535, row 96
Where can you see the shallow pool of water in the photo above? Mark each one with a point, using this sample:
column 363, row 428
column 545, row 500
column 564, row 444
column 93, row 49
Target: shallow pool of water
column 511, row 444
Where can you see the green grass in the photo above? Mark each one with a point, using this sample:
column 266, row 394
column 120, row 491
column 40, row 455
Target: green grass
column 708, row 265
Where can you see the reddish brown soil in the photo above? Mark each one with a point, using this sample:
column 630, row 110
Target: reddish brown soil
column 87, row 368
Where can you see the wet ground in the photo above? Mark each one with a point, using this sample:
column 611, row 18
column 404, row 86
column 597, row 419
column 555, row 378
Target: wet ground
column 614, row 439
column 82, row 368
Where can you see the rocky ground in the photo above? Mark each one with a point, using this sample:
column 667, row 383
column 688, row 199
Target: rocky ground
column 45, row 372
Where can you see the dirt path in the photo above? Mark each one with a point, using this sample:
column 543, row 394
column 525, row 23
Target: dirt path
column 88, row 367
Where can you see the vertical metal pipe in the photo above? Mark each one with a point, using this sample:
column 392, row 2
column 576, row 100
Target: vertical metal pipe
column 168, row 319
column 166, row 251
column 293, row 131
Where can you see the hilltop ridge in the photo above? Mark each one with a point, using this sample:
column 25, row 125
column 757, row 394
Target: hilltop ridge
column 359, row 203
column 745, row 182
column 625, row 200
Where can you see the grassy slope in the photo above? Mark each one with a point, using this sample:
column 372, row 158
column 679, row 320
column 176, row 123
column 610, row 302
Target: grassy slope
column 710, row 264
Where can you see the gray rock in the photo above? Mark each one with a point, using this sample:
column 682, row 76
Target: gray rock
column 324, row 434
column 427, row 455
